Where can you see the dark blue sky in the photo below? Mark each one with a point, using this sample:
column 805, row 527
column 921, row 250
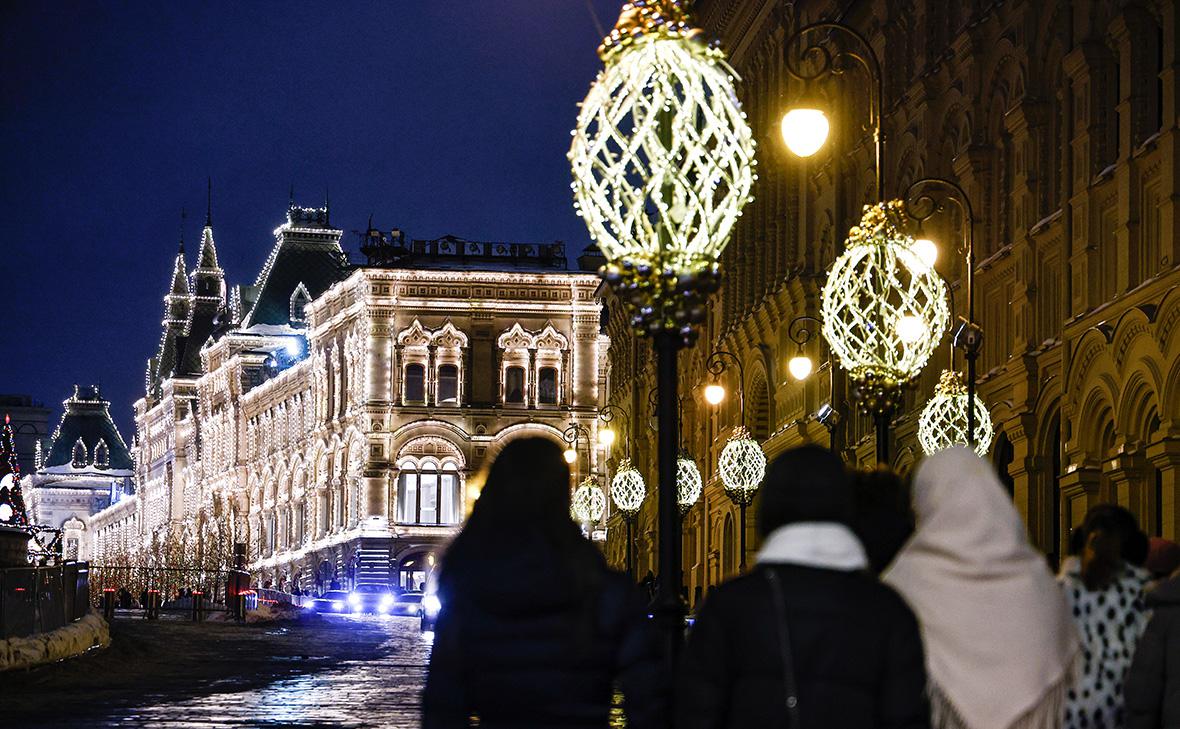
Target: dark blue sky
column 439, row 116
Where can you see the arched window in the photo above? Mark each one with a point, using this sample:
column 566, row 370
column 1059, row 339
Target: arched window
column 514, row 385
column 415, row 383
column 428, row 494
column 102, row 455
column 448, row 385
column 547, row 386
column 79, row 455
column 300, row 298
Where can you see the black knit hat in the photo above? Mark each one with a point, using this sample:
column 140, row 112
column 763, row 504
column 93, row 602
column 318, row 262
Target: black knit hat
column 808, row 483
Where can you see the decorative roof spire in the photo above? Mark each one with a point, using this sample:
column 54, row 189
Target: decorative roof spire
column 179, row 279
column 183, row 215
column 209, row 203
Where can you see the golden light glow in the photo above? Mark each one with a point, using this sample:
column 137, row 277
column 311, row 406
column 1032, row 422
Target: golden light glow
column 714, row 394
column 571, row 455
column 910, row 328
column 800, row 366
column 805, row 131
column 926, row 251
column 606, row 437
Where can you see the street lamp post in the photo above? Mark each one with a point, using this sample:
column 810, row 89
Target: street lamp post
column 742, row 464
column 588, row 502
column 802, row 330
column 627, row 489
column 883, row 310
column 921, row 205
column 662, row 161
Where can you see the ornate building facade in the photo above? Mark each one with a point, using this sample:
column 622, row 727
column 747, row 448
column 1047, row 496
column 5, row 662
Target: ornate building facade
column 334, row 416
column 1059, row 120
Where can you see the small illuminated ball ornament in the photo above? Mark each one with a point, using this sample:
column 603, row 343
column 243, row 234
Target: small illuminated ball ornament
column 804, row 131
column 742, row 466
column 688, row 483
column 627, row 489
column 943, row 422
column 588, row 503
column 884, row 308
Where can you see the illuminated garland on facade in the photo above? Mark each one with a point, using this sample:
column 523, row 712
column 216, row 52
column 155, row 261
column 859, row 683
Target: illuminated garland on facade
column 943, row 422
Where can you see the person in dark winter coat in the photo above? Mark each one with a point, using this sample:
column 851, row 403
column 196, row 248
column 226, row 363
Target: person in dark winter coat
column 534, row 628
column 1153, row 683
column 851, row 644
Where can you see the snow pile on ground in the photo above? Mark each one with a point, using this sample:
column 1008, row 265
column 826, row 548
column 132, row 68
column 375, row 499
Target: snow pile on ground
column 279, row 611
column 67, row 641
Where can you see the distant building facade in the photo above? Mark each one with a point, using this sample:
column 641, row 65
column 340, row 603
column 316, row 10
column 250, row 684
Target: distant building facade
column 1060, row 122
column 85, row 469
column 30, row 428
column 332, row 415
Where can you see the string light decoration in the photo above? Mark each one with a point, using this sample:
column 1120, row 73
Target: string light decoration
column 12, row 501
column 627, row 489
column 688, row 483
column 943, row 422
column 663, row 162
column 588, row 502
column 883, row 309
column 742, row 466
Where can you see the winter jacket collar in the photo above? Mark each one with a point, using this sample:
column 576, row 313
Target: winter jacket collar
column 822, row 544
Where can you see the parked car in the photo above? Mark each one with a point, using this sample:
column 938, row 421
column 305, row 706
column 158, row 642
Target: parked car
column 407, row 603
column 371, row 599
column 332, row 601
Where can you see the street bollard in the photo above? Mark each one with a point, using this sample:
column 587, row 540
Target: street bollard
column 198, row 606
column 153, row 605
column 240, row 606
column 108, row 603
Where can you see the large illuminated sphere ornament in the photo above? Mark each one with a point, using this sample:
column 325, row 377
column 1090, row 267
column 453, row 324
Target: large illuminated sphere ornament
column 663, row 162
column 742, row 466
column 943, row 422
column 588, row 502
column 627, row 489
column 688, row 483
column 884, row 308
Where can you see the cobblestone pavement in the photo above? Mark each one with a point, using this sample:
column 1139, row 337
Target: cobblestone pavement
column 335, row 672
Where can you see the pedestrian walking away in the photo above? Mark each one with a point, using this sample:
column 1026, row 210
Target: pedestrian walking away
column 535, row 629
column 1106, row 594
column 809, row 638
column 999, row 641
column 1153, row 682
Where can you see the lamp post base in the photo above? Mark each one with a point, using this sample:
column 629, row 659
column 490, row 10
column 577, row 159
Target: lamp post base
column 668, row 608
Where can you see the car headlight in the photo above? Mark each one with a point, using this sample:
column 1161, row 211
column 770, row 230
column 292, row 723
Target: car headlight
column 386, row 601
column 432, row 604
column 354, row 599
column 337, row 605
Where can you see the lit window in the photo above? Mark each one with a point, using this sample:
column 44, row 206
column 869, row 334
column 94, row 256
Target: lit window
column 427, row 496
column 415, row 383
column 514, row 385
column 448, row 385
column 547, row 386
column 79, row 455
column 102, row 456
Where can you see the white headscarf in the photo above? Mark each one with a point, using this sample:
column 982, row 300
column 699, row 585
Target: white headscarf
column 999, row 639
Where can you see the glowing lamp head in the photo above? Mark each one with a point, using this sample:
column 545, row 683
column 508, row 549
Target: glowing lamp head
column 800, row 366
column 714, row 394
column 294, row 346
column 805, row 130
column 571, row 455
column 606, row 437
column 5, row 512
column 910, row 328
column 926, row 252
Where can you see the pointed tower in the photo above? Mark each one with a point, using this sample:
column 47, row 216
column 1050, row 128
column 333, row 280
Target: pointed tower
column 208, row 280
column 178, row 305
column 178, row 302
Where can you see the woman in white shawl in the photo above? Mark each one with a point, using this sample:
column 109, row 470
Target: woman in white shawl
column 999, row 641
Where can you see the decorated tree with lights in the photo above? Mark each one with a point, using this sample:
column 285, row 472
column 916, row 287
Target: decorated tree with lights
column 12, row 502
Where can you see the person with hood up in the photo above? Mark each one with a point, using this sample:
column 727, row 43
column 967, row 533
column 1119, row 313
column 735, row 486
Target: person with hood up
column 534, row 629
column 1153, row 683
column 1000, row 645
column 808, row 639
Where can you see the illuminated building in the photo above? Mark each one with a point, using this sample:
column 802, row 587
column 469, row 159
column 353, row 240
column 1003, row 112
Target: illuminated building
column 1060, row 123
column 332, row 415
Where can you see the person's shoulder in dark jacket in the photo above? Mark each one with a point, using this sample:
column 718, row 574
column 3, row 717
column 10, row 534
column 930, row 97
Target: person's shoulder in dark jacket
column 1153, row 682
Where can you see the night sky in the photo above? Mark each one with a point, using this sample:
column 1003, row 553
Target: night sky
column 436, row 117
